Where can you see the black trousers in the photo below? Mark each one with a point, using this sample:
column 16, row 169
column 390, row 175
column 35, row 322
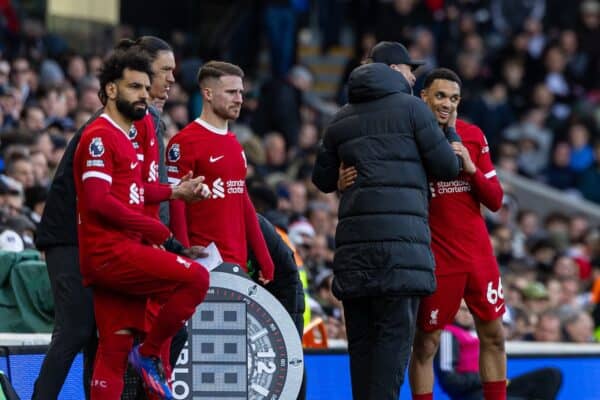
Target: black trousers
column 380, row 334
column 74, row 325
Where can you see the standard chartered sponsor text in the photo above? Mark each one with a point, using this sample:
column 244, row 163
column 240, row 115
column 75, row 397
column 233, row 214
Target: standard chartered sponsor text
column 456, row 186
column 235, row 186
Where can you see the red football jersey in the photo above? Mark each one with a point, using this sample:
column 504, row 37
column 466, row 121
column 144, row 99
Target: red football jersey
column 143, row 138
column 217, row 155
column 105, row 151
column 459, row 237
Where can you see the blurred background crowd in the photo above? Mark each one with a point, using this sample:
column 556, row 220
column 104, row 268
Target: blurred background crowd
column 531, row 81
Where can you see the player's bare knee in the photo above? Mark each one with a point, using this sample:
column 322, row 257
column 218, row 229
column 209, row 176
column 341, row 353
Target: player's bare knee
column 491, row 336
column 425, row 345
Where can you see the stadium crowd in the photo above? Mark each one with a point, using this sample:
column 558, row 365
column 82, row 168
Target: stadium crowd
column 531, row 81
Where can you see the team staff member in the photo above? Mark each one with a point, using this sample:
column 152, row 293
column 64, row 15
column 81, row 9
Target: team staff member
column 119, row 245
column 383, row 263
column 207, row 147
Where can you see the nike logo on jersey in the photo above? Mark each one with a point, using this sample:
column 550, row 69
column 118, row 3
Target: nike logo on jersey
column 215, row 159
column 497, row 308
column 133, row 165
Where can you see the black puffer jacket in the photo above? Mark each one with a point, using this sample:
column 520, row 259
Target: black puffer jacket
column 393, row 140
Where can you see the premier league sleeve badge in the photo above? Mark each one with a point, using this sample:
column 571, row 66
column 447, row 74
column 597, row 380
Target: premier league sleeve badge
column 96, row 147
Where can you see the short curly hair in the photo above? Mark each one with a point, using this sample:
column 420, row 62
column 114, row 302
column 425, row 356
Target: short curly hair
column 119, row 61
column 441, row 73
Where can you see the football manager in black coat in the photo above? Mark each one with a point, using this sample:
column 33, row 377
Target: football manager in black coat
column 383, row 262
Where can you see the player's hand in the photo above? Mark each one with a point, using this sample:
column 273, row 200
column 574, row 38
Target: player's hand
column 346, row 177
column 452, row 118
column 158, row 246
column 189, row 189
column 461, row 151
column 195, row 252
column 203, row 191
column 262, row 279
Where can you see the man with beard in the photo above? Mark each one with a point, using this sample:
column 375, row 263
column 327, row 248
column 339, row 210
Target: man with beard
column 120, row 248
column 147, row 139
column 57, row 237
column 207, row 147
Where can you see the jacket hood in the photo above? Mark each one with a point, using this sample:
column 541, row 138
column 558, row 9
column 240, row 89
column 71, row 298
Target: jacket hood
column 373, row 81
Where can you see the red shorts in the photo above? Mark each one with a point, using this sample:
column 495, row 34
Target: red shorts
column 123, row 286
column 481, row 288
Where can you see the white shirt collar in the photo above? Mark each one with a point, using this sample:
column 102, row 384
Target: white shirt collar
column 109, row 119
column 210, row 127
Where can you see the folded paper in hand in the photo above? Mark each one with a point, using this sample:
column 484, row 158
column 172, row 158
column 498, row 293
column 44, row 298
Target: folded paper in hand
column 213, row 259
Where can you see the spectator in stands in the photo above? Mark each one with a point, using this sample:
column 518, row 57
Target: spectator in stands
column 276, row 156
column 41, row 173
column 535, row 297
column 19, row 168
column 509, row 16
column 279, row 20
column 579, row 327
column 528, row 227
column 87, row 92
column 547, row 328
column 279, row 105
column 582, row 154
column 564, row 268
column 4, row 73
column 398, row 20
column 559, row 173
column 21, row 77
column 588, row 182
column 32, row 118
column 534, row 142
column 76, row 69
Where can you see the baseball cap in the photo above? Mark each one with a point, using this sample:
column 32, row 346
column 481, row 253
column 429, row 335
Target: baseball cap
column 535, row 291
column 393, row 53
column 300, row 231
column 11, row 241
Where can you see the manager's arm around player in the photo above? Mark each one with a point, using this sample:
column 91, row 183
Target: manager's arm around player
column 383, row 262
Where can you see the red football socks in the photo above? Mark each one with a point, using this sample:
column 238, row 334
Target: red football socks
column 424, row 396
column 494, row 390
column 109, row 368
